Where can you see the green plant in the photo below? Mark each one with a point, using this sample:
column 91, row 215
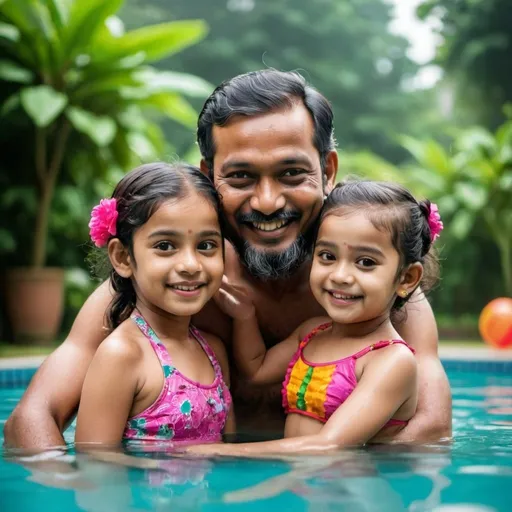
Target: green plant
column 472, row 184
column 90, row 93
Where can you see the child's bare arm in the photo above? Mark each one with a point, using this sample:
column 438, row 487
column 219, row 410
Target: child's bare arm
column 257, row 364
column 381, row 391
column 108, row 392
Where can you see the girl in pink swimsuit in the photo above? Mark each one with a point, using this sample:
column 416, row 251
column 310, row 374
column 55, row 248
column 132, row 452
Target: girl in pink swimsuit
column 348, row 379
column 156, row 377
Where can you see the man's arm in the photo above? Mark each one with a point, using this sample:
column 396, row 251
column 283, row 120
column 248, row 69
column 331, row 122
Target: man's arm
column 53, row 395
column 433, row 418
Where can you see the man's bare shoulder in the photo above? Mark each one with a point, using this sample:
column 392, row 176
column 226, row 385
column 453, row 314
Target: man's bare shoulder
column 419, row 328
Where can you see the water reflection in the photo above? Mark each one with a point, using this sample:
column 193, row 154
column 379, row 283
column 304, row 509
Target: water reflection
column 472, row 474
column 358, row 480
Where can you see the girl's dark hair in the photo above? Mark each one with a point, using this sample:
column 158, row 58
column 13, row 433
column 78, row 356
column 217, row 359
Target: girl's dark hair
column 138, row 195
column 393, row 208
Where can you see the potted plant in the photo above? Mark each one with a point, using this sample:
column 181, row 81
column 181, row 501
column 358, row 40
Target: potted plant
column 84, row 87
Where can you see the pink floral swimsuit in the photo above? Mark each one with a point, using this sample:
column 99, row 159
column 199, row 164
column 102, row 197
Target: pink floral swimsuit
column 185, row 410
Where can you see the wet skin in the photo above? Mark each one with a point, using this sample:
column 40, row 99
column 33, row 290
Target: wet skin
column 265, row 164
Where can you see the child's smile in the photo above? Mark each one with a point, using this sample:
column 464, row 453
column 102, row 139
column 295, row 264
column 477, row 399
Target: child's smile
column 178, row 263
column 354, row 269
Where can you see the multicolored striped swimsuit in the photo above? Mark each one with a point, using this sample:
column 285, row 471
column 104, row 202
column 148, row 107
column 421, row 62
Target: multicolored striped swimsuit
column 318, row 389
column 186, row 410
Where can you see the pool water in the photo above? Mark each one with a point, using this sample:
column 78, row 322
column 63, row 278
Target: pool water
column 473, row 474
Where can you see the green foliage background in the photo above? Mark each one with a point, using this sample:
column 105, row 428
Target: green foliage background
column 384, row 130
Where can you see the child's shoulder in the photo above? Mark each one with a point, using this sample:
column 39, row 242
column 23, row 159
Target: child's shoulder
column 121, row 345
column 399, row 356
column 309, row 325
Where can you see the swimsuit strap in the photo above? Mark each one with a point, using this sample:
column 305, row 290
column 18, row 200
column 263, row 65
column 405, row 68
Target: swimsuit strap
column 208, row 350
column 381, row 344
column 150, row 334
column 315, row 331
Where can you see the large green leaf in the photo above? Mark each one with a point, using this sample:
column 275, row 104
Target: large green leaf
column 461, row 224
column 429, row 154
column 173, row 106
column 477, row 139
column 437, row 158
column 472, row 195
column 12, row 72
column 43, row 104
column 111, row 81
column 9, row 32
column 10, row 104
column 33, row 23
column 154, row 41
column 59, row 12
column 170, row 81
column 415, row 147
column 25, row 15
column 85, row 19
column 100, row 129
column 141, row 146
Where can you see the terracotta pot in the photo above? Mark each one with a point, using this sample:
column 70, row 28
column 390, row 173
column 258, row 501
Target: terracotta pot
column 34, row 300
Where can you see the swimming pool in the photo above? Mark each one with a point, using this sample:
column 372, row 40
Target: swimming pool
column 474, row 474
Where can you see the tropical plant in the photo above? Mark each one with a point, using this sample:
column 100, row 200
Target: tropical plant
column 473, row 185
column 348, row 53
column 471, row 182
column 476, row 40
column 84, row 93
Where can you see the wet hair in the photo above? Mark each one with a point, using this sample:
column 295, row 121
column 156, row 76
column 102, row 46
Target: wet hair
column 392, row 208
column 261, row 92
column 139, row 194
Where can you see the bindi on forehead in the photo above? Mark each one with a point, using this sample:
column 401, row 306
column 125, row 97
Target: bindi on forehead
column 189, row 231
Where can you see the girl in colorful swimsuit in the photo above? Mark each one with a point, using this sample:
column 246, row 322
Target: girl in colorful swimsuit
column 157, row 377
column 349, row 379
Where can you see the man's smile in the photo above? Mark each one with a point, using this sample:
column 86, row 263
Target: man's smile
column 270, row 226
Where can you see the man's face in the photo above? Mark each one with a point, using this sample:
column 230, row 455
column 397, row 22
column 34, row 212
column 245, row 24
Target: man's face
column 268, row 173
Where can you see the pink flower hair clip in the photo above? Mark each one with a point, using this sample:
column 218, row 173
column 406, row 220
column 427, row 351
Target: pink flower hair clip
column 103, row 222
column 434, row 221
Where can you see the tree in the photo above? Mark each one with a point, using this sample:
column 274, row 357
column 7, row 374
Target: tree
column 78, row 93
column 472, row 184
column 343, row 48
column 477, row 46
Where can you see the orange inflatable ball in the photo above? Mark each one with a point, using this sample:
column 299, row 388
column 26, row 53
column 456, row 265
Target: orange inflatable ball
column 495, row 323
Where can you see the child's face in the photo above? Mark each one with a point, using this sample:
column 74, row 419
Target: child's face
column 354, row 269
column 178, row 256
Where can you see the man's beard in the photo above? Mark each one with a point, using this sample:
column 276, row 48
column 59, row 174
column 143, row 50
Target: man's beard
column 268, row 265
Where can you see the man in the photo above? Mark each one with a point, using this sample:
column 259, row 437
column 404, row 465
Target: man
column 266, row 140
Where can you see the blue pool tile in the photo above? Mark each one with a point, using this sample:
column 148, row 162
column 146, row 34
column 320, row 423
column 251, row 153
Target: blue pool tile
column 499, row 367
column 16, row 377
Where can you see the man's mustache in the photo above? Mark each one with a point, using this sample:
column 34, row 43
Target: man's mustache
column 256, row 216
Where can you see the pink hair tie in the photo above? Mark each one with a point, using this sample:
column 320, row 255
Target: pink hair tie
column 103, row 222
column 434, row 221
